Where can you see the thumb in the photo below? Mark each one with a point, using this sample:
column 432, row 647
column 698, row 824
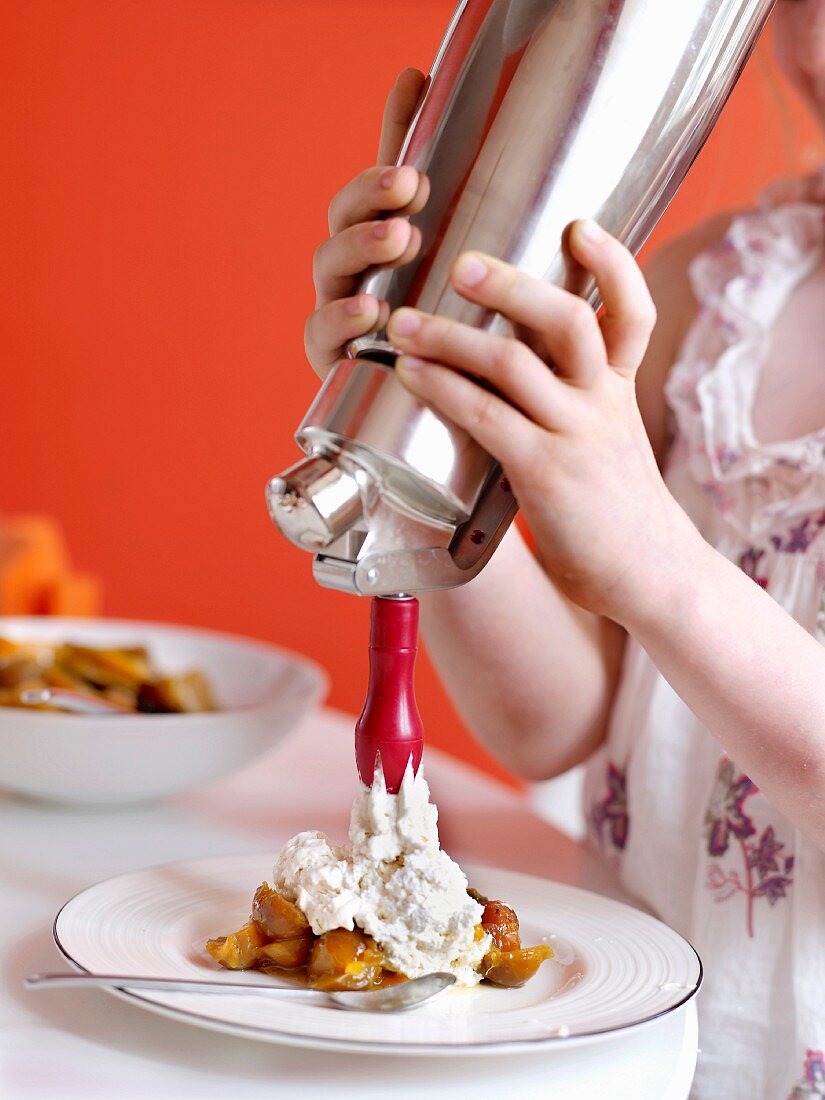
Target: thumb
column 398, row 112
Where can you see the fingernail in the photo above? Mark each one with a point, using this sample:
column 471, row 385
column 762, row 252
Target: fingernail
column 470, row 270
column 380, row 230
column 408, row 362
column 591, row 231
column 405, row 322
column 356, row 306
column 388, row 178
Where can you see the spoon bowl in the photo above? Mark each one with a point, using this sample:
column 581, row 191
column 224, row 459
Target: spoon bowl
column 396, row 998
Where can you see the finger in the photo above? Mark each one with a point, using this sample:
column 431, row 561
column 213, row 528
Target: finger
column 629, row 313
column 402, row 190
column 506, row 364
column 329, row 329
column 498, row 427
column 398, row 112
column 339, row 262
column 567, row 325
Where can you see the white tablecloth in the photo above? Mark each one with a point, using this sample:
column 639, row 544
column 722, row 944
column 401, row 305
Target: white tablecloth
column 87, row 1044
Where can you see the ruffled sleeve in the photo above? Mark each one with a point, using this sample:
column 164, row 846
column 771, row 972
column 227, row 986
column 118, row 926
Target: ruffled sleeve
column 741, row 285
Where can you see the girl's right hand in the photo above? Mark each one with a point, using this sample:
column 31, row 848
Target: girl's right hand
column 361, row 239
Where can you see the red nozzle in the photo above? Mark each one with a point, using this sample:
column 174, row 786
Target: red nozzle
column 390, row 723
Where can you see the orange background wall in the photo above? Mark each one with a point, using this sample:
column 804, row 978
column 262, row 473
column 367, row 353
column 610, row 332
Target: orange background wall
column 166, row 169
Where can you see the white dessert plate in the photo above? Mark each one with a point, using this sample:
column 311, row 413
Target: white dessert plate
column 617, row 967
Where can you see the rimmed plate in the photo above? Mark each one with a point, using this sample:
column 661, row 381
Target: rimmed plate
column 617, row 967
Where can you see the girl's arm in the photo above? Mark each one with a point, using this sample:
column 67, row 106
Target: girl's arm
column 532, row 674
column 751, row 674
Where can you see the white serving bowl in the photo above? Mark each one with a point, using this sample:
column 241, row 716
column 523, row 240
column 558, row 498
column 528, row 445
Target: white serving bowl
column 263, row 692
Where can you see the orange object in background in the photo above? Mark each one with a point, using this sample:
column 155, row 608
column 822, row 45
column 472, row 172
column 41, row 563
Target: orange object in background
column 77, row 594
column 36, row 577
column 167, row 167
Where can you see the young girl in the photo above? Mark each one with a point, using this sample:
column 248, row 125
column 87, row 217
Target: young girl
column 668, row 628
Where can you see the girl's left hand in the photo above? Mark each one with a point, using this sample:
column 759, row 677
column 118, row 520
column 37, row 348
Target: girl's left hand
column 571, row 439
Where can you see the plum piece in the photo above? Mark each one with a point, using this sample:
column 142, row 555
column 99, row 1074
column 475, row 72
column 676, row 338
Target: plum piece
column 341, row 959
column 104, row 667
column 279, row 918
column 151, row 698
column 500, row 922
column 287, row 954
column 277, row 935
column 121, row 696
column 513, row 968
column 507, row 963
column 57, row 677
column 19, row 671
column 241, row 950
column 186, row 694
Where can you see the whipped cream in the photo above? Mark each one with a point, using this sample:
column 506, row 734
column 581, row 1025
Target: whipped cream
column 392, row 880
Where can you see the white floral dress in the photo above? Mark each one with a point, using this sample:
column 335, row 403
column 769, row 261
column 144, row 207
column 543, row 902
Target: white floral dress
column 689, row 834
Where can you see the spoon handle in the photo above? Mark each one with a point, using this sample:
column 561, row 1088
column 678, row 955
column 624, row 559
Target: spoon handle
column 73, row 702
column 181, row 985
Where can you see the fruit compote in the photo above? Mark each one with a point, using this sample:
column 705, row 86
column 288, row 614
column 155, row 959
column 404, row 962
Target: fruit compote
column 278, row 939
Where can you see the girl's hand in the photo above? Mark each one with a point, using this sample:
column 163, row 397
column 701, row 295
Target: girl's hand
column 361, row 239
column 571, row 439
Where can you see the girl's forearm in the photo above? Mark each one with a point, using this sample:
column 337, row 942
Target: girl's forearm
column 531, row 674
column 752, row 675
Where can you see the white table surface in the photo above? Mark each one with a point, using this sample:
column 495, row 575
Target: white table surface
column 89, row 1044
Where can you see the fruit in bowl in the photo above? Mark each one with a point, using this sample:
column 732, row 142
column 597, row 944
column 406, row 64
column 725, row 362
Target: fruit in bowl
column 256, row 694
column 83, row 679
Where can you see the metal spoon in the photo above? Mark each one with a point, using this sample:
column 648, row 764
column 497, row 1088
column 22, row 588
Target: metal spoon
column 394, row 998
column 73, row 702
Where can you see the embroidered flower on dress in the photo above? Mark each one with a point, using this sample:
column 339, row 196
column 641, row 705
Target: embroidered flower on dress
column 799, row 538
column 612, row 810
column 814, row 1080
column 815, row 1071
column 763, row 858
column 773, row 888
column 717, row 495
column 725, row 814
column 767, row 872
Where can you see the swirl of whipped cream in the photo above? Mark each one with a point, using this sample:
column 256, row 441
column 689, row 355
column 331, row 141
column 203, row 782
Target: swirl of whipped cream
column 392, row 880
